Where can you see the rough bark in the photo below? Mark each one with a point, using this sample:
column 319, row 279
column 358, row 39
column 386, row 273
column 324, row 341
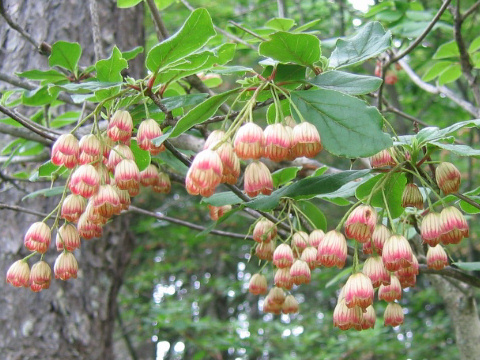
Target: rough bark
column 73, row 319
column 462, row 309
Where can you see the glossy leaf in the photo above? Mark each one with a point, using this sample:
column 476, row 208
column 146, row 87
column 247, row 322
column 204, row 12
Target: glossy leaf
column 47, row 192
column 109, row 70
column 433, row 133
column 436, row 70
column 468, row 266
column 39, row 96
column 195, row 33
column 348, row 126
column 223, row 198
column 285, row 175
column 347, row 83
column 315, row 215
column 447, row 50
column 450, row 74
column 368, row 42
column 142, row 157
column 127, row 3
column 280, row 24
column 132, row 54
column 461, row 150
column 65, row 54
column 301, row 49
column 48, row 75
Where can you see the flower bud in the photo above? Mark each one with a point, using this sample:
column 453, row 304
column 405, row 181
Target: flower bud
column 90, row 149
column 332, row 251
column 18, row 274
column 430, row 229
column 393, row 315
column 276, row 295
column 72, row 207
column 412, row 197
column 119, row 153
column 93, row 216
column 306, row 140
column 408, row 281
column 88, row 229
column 383, row 158
column 264, row 230
column 309, row 255
column 107, row 146
column 104, row 174
column 291, row 151
column 283, row 256
column 127, row 176
column 258, row 179
column 264, row 251
column 453, row 226
column 277, row 142
column 40, row 276
column 369, row 318
column 358, row 291
column 361, row 222
column 149, row 175
column 270, row 306
column 67, row 238
column 315, row 238
column 436, row 257
column 216, row 212
column 205, row 173
column 38, row 237
column 65, row 151
column 300, row 272
column 249, row 142
column 397, row 253
column 448, row 178
column 283, row 278
column 391, row 77
column 162, row 184
column 257, row 284
column 120, row 126
column 106, row 202
column 85, row 181
column 379, row 236
column 290, row 305
column 147, row 131
column 390, row 292
column 124, row 197
column 408, row 271
column 346, row 318
column 374, row 269
column 66, row 266
column 299, row 241
column 224, row 149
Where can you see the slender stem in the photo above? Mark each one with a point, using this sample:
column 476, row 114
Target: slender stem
column 29, row 256
column 344, row 218
column 388, row 211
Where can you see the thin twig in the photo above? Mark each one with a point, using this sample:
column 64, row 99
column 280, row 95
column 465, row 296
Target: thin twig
column 158, row 19
column 470, row 11
column 4, row 206
column 21, row 120
column 17, row 27
column 453, row 273
column 247, row 30
column 467, row 200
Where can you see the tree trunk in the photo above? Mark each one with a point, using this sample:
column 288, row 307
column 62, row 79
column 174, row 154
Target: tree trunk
column 73, row 319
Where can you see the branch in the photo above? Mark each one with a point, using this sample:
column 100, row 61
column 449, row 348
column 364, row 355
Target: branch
column 23, row 133
column 21, row 209
column 25, row 159
column 186, row 223
column 157, row 19
column 27, row 123
column 467, row 200
column 247, row 30
column 17, row 27
column 452, row 272
column 97, row 39
column 470, row 11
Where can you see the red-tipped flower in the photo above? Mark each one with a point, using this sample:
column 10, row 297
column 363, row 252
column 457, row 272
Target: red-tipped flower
column 72, row 207
column 299, row 241
column 124, row 196
column 257, row 284
column 306, row 140
column 358, row 291
column 127, row 176
column 147, row 131
column 283, row 278
column 120, row 126
column 369, row 318
column 264, row 230
column 90, row 149
column 216, row 212
column 412, row 197
column 67, row 238
column 283, row 256
column 374, row 269
column 430, row 229
column 393, row 315
column 316, row 237
column 163, row 184
column 309, row 255
column 40, row 276
column 448, row 178
column 85, row 181
column 224, row 149
column 453, row 226
column 88, row 229
column 437, row 257
column 38, row 237
column 346, row 318
column 397, row 253
column 383, row 158
column 249, row 142
column 277, row 142
column 205, row 173
column 258, row 179
column 118, row 153
column 264, row 251
column 18, row 274
column 65, row 151
column 300, row 272
column 361, row 222
column 106, row 202
column 332, row 251
column 149, row 175
column 66, row 266
column 390, row 292
column 379, row 236
column 290, row 305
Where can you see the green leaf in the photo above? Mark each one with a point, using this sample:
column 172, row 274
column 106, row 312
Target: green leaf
column 142, row 157
column 447, row 50
column 468, row 266
column 379, row 7
column 347, row 126
column 307, row 26
column 132, row 54
column 369, row 41
column 47, row 168
column 48, row 192
column 65, row 54
column 461, row 150
column 450, row 74
column 272, row 110
column 127, row 3
column 280, row 24
column 50, row 75
column 468, row 208
column 433, row 133
column 64, row 119
column 228, row 70
column 285, row 175
column 302, row 49
column 307, row 188
column 86, row 87
column 39, row 96
column 347, row 83
column 163, row 4
column 223, row 198
column 474, row 45
column 315, row 215
column 195, row 33
column 196, row 116
column 109, row 70
column 436, row 70
column 337, row 278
